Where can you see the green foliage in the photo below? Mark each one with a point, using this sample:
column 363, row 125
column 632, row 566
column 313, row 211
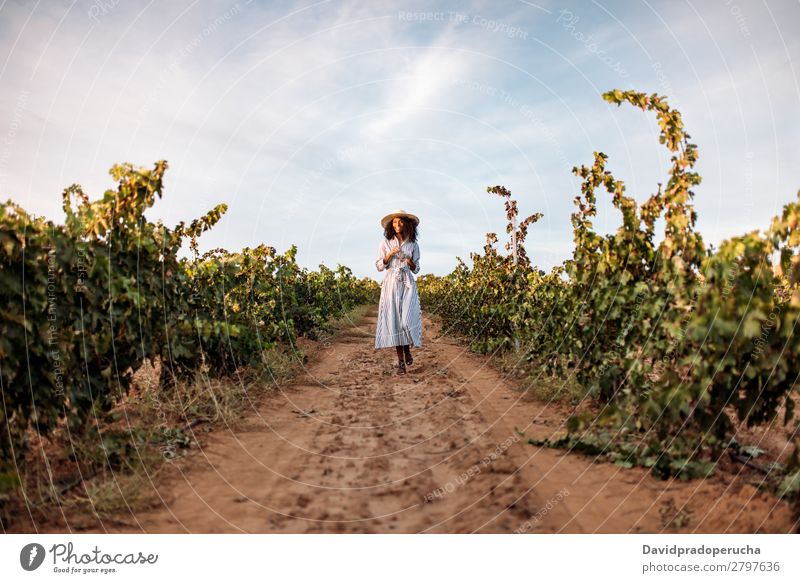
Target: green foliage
column 674, row 342
column 481, row 303
column 264, row 299
column 84, row 304
column 790, row 486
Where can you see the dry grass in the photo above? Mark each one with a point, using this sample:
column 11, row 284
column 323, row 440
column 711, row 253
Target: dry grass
column 535, row 385
column 110, row 469
column 113, row 495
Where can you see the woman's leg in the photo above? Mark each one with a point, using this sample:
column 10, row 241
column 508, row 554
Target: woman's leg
column 407, row 353
column 401, row 366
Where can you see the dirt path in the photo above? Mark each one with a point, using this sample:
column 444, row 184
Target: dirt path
column 432, row 451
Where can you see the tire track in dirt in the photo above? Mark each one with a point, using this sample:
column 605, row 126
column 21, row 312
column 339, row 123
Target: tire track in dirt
column 351, row 446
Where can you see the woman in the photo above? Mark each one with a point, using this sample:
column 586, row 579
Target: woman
column 399, row 314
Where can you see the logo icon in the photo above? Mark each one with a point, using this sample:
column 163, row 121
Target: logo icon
column 31, row 556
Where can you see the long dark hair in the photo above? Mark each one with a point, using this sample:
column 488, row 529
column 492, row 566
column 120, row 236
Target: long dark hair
column 409, row 229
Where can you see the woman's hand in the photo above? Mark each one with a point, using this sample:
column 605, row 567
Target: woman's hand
column 391, row 254
column 410, row 262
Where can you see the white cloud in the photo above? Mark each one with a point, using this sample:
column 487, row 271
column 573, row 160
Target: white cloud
column 313, row 121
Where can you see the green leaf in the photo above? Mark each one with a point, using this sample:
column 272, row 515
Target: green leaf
column 790, row 486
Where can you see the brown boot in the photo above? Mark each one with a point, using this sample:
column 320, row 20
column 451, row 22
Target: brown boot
column 407, row 352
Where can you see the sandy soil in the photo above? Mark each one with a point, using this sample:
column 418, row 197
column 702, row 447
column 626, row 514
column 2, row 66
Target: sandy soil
column 353, row 447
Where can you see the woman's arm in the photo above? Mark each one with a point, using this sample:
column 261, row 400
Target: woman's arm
column 379, row 263
column 384, row 255
column 414, row 265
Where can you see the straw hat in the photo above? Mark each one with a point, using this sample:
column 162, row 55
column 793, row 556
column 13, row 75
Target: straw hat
column 398, row 213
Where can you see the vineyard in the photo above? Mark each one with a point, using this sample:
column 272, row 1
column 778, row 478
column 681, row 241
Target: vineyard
column 672, row 344
column 87, row 304
column 663, row 346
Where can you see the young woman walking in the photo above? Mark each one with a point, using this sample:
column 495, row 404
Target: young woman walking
column 399, row 314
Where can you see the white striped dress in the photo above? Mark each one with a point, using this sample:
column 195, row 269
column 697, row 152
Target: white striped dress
column 399, row 313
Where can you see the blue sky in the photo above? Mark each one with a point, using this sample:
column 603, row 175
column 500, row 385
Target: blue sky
column 314, row 119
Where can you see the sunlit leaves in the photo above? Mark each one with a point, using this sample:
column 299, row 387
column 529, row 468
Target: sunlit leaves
column 674, row 339
column 84, row 304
